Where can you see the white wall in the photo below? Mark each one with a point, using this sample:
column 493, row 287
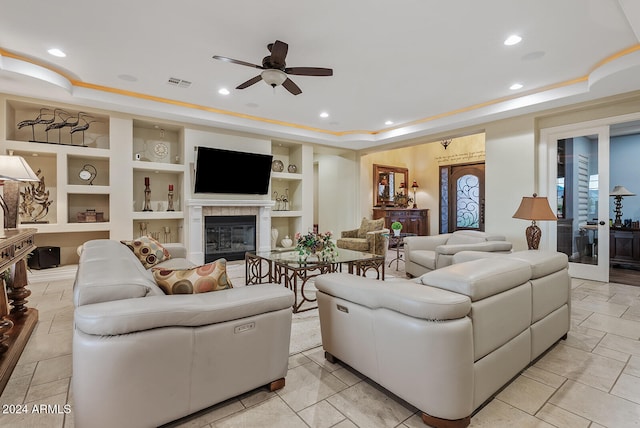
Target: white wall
column 338, row 193
column 194, row 138
column 510, row 174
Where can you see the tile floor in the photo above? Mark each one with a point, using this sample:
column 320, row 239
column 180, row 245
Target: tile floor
column 590, row 380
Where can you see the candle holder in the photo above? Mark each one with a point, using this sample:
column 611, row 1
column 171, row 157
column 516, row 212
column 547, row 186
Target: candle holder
column 167, row 234
column 170, row 198
column 147, row 195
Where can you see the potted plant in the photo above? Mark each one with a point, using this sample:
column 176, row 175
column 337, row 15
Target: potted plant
column 397, row 227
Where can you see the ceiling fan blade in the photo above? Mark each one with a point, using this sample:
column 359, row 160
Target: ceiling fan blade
column 291, row 87
column 309, row 71
column 250, row 82
column 279, row 53
column 237, row 61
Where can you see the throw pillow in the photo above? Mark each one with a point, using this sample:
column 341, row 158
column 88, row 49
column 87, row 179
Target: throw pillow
column 199, row 279
column 369, row 226
column 149, row 251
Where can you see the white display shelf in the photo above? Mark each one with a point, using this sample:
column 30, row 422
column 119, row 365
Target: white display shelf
column 283, row 214
column 158, row 215
column 103, row 226
column 157, row 166
column 285, row 176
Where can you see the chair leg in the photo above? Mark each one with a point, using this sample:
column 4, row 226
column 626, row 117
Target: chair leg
column 445, row 423
column 276, row 384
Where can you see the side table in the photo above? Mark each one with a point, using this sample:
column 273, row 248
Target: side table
column 398, row 241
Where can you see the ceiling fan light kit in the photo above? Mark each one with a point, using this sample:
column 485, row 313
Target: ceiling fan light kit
column 274, row 77
column 276, row 70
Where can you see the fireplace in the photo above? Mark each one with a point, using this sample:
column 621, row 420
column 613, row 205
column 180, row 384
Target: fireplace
column 199, row 209
column 229, row 237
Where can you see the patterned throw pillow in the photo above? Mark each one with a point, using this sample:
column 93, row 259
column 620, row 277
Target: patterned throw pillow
column 199, row 279
column 149, row 251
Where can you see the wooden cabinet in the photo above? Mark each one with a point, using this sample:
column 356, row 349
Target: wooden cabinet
column 413, row 220
column 624, row 247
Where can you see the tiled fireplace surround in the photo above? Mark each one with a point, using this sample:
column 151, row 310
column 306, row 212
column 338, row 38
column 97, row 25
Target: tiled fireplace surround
column 198, row 209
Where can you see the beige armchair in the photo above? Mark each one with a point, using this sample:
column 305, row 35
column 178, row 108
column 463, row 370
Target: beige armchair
column 370, row 237
column 426, row 253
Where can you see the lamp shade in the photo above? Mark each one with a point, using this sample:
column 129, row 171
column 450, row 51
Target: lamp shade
column 15, row 168
column 534, row 208
column 621, row 191
column 414, row 185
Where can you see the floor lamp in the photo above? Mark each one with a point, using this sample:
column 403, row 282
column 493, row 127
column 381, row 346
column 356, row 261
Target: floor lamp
column 13, row 170
column 535, row 209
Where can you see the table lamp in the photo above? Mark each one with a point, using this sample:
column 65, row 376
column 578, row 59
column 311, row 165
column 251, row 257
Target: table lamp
column 618, row 192
column 535, row 209
column 13, row 170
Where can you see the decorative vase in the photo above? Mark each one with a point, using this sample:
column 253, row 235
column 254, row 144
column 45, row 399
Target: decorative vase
column 274, row 237
column 147, row 195
column 396, row 232
column 286, row 242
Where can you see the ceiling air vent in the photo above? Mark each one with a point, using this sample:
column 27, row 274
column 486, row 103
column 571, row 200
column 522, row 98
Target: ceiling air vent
column 174, row 81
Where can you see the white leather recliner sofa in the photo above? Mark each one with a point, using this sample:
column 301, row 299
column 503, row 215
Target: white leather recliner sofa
column 142, row 358
column 450, row 340
column 426, row 253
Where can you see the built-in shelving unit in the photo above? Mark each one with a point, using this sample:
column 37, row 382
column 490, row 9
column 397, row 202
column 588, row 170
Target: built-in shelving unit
column 95, row 166
column 292, row 184
column 158, row 158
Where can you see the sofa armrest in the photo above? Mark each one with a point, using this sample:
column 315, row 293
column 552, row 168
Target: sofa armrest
column 490, row 246
column 349, row 233
column 177, row 250
column 186, row 310
column 405, row 297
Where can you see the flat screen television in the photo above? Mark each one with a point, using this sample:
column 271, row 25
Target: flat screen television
column 228, row 171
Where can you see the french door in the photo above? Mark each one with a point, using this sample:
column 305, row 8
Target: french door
column 578, row 174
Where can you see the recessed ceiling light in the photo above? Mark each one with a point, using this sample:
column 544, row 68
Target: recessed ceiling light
column 389, row 122
column 515, row 86
column 57, row 52
column 223, row 91
column 512, row 40
column 324, row 114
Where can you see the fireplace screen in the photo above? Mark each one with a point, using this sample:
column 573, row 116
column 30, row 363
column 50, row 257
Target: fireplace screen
column 229, row 237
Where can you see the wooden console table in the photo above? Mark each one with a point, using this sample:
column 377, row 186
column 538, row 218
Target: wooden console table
column 16, row 320
column 624, row 247
column 413, row 220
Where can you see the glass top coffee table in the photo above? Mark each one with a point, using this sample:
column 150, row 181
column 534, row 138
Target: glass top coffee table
column 285, row 267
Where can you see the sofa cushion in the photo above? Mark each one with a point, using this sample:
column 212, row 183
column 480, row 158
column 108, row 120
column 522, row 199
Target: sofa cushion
column 464, row 238
column 149, row 251
column 405, row 297
column 199, row 279
column 479, row 279
column 367, row 226
column 542, row 262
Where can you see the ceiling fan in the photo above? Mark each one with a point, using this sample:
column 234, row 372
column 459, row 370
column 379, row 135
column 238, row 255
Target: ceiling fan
column 275, row 69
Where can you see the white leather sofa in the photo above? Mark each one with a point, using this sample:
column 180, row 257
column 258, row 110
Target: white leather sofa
column 426, row 253
column 143, row 359
column 450, row 340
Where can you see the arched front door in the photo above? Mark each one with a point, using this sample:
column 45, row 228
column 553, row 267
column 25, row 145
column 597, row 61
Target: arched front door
column 461, row 197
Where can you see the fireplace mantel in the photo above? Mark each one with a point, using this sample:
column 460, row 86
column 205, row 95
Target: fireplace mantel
column 198, row 208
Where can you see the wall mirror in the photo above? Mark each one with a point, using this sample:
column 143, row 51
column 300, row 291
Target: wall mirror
column 388, row 183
